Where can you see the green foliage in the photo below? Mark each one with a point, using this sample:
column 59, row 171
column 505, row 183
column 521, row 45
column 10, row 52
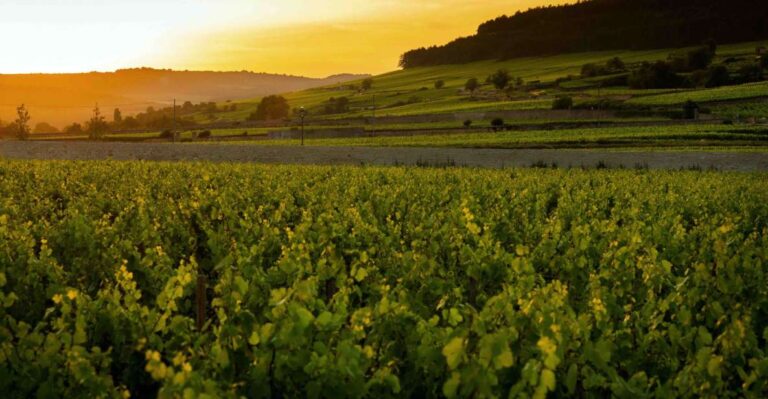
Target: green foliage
column 271, row 108
column 337, row 105
column 658, row 75
column 612, row 66
column 97, row 126
column 366, row 84
column 21, row 124
column 714, row 76
column 471, row 85
column 744, row 91
column 562, row 102
column 380, row 282
column 500, row 79
column 752, row 72
column 439, row 84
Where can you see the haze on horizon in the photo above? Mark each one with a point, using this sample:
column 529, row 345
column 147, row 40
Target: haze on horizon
column 311, row 38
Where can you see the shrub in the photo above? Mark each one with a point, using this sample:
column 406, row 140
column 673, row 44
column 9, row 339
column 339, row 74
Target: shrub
column 439, row 84
column 690, row 110
column 717, row 76
column 337, row 105
column 166, row 134
column 497, row 122
column 467, row 123
column 271, row 108
column 615, row 64
column 700, row 58
column 500, row 79
column 750, row 73
column 563, row 102
column 591, row 70
column 659, row 75
column 471, row 85
column 204, row 134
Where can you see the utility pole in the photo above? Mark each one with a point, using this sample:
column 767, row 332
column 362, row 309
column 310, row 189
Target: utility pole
column 302, row 115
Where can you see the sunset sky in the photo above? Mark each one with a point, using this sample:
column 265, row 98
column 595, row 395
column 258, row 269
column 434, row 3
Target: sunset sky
column 312, row 38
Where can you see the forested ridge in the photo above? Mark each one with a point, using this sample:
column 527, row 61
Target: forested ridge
column 596, row 25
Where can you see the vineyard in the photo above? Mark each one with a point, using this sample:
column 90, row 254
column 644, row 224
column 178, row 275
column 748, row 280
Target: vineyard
column 138, row 279
column 591, row 137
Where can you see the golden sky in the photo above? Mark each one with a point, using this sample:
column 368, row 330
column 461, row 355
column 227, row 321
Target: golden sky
column 312, row 38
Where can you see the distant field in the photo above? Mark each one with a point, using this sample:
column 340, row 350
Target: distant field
column 742, row 111
column 646, row 136
column 412, row 91
column 745, row 91
column 412, row 104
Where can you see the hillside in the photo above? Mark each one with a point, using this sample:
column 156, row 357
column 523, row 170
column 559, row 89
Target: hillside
column 412, row 92
column 600, row 25
column 65, row 98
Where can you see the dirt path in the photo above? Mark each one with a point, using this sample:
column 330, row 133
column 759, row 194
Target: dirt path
column 742, row 161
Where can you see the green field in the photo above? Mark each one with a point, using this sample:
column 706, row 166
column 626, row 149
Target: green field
column 740, row 92
column 418, row 84
column 407, row 101
column 641, row 136
column 203, row 280
column 411, row 94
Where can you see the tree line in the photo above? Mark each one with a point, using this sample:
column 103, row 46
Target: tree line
column 602, row 25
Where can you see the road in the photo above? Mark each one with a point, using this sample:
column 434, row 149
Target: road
column 494, row 158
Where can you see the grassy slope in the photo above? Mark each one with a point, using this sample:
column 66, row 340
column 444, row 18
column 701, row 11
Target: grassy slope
column 404, row 85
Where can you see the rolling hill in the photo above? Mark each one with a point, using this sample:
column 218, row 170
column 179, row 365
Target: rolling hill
column 599, row 25
column 412, row 91
column 65, row 98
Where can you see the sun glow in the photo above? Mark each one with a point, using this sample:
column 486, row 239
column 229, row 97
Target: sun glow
column 313, row 38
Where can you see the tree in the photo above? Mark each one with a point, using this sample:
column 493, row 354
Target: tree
column 439, row 84
column 659, row 75
column 562, row 102
column 5, row 129
column 45, row 127
column 615, row 64
column 717, row 76
column 117, row 116
column 96, row 126
column 590, row 70
column 366, row 84
column 271, row 108
column 751, row 73
column 500, row 79
column 21, row 124
column 74, row 128
column 471, row 85
column 130, row 122
column 764, row 61
column 337, row 105
column 700, row 58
